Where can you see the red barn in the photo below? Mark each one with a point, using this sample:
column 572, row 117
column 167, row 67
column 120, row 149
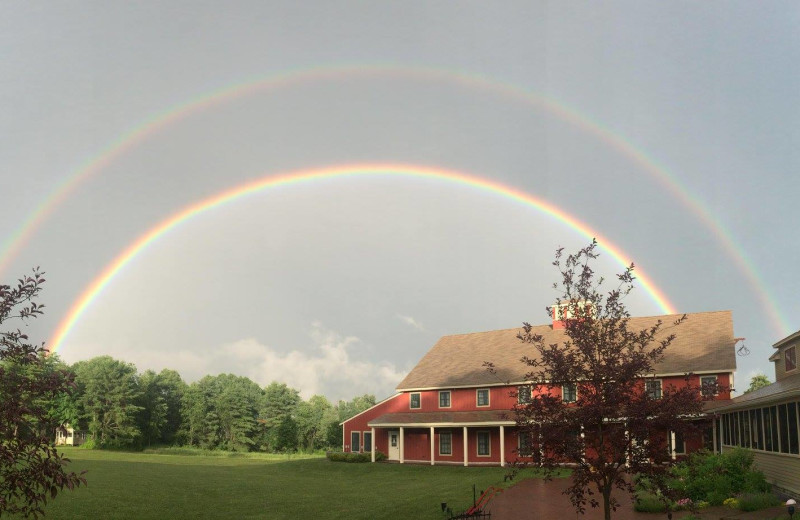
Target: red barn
column 450, row 410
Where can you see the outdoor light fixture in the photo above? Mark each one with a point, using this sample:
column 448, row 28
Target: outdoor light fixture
column 790, row 506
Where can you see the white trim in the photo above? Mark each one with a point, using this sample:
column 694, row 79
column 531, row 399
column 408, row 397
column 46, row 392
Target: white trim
column 488, row 398
column 374, row 444
column 420, row 400
column 449, row 399
column 451, row 444
column 478, row 444
column 371, row 407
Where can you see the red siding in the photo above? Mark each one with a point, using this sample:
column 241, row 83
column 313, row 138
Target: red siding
column 417, row 440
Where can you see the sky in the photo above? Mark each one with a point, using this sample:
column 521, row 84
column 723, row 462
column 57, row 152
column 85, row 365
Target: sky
column 448, row 148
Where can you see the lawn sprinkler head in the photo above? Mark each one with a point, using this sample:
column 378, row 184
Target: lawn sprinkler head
column 444, row 507
column 790, row 507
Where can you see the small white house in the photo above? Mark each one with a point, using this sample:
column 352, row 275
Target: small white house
column 68, row 436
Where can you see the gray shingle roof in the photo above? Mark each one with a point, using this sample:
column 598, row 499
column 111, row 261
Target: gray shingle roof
column 704, row 342
column 783, row 389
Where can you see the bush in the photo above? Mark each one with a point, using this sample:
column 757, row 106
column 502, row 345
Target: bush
column 648, row 503
column 338, row 456
column 713, row 478
column 757, row 501
column 90, row 444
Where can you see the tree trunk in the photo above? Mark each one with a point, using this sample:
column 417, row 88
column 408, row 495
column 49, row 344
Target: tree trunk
column 607, row 502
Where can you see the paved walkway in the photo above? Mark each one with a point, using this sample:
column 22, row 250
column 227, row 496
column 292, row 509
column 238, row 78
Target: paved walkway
column 535, row 499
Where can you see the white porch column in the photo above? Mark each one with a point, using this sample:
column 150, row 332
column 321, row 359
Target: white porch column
column 372, row 439
column 502, row 446
column 466, row 449
column 431, row 445
column 672, row 445
column 402, row 451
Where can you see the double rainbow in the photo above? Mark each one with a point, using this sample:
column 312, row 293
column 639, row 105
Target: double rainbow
column 340, row 172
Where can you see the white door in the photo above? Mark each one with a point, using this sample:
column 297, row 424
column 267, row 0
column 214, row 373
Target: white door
column 394, row 445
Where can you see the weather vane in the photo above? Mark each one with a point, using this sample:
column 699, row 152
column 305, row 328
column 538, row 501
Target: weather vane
column 743, row 350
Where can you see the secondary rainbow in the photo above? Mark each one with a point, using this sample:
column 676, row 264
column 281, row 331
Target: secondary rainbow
column 102, row 281
column 13, row 244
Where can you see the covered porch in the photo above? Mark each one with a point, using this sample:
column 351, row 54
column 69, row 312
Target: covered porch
column 464, row 438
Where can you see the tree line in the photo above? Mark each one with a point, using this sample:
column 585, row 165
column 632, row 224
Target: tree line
column 119, row 407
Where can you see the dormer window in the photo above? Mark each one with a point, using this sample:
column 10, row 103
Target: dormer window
column 789, row 356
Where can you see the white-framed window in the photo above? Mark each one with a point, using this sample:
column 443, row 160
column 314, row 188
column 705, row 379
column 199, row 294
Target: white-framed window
column 444, row 399
column 484, row 444
column 708, row 385
column 445, row 443
column 653, row 388
column 415, row 401
column 680, row 445
column 524, row 445
column 355, row 442
column 482, row 397
column 524, row 394
column 569, row 393
column 368, row 441
column 790, row 358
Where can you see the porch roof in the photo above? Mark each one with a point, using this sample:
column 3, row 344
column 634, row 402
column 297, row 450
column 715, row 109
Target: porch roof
column 444, row 419
column 787, row 388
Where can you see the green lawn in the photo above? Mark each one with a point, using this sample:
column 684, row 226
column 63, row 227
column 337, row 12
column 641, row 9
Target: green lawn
column 173, row 486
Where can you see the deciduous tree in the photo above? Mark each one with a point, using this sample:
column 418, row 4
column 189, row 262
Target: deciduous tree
column 616, row 429
column 31, row 469
column 758, row 381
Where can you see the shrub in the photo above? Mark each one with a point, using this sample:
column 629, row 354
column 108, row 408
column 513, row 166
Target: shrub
column 731, row 502
column 713, row 478
column 757, row 501
column 90, row 444
column 338, row 456
column 649, row 503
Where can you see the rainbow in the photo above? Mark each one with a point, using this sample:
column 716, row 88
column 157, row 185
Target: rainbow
column 11, row 247
column 108, row 274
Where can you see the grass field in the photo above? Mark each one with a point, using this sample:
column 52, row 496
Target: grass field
column 186, row 485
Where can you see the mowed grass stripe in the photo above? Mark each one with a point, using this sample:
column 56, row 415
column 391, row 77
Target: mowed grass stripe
column 144, row 486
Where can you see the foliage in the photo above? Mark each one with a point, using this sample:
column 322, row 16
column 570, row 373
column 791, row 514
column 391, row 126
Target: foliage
column 758, row 381
column 757, row 501
column 733, row 503
column 615, row 429
column 277, row 417
column 31, row 470
column 313, row 416
column 649, row 503
column 108, row 393
column 717, row 477
column 338, row 456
